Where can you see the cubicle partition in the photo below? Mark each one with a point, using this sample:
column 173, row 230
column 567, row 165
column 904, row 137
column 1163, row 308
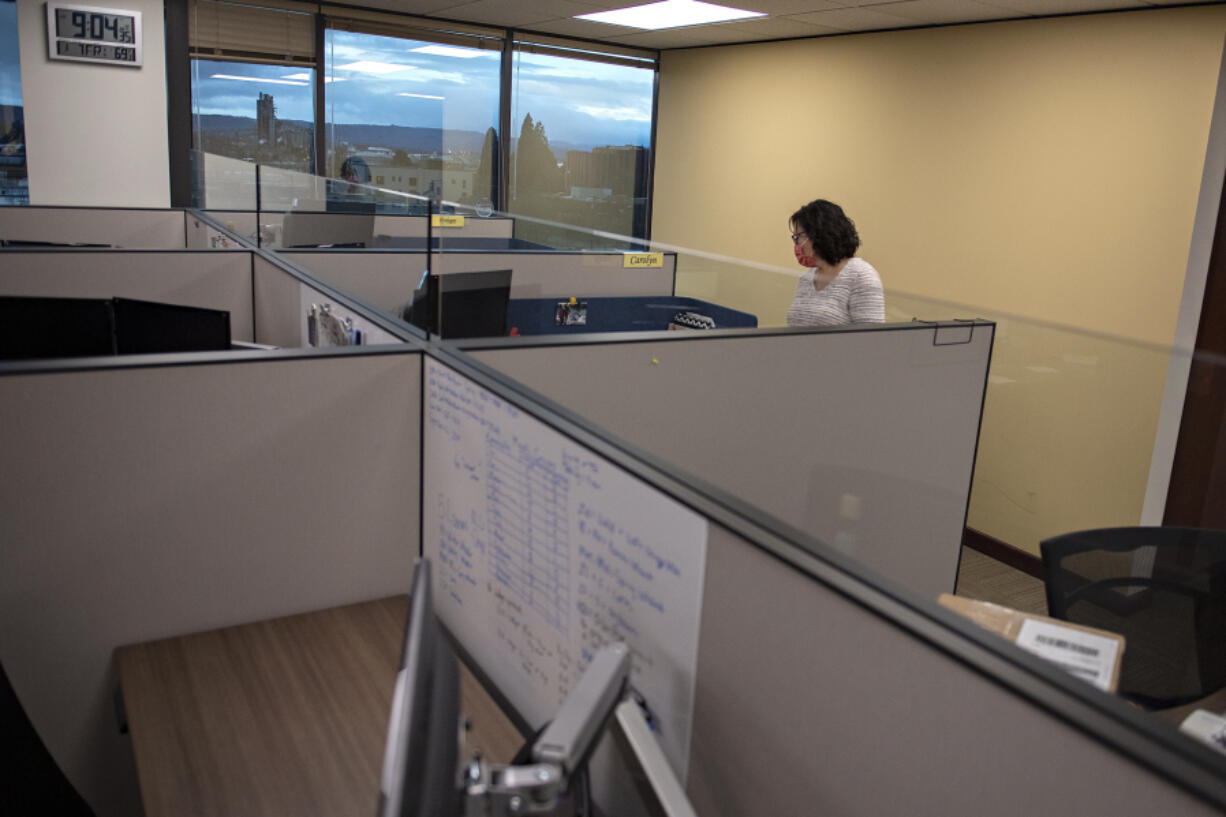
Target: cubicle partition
column 170, row 494
column 159, row 496
column 268, row 300
column 888, row 487
column 151, row 229
column 214, row 279
column 386, row 279
column 784, row 678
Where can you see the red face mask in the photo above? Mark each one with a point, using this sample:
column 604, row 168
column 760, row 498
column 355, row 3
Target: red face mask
column 801, row 251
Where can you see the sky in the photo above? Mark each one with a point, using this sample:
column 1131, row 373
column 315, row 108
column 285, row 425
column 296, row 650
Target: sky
column 10, row 63
column 582, row 102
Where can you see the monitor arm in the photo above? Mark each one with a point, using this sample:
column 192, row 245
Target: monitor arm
column 501, row 791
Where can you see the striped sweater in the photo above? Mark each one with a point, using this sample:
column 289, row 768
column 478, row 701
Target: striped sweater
column 854, row 296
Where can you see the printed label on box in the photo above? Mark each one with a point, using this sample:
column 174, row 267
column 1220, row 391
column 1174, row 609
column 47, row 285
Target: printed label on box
column 1088, row 656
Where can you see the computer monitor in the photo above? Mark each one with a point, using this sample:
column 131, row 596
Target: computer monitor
column 462, row 304
column 420, row 758
column 151, row 327
column 41, row 328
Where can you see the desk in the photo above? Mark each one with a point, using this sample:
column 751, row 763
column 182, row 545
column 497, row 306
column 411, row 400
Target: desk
column 281, row 717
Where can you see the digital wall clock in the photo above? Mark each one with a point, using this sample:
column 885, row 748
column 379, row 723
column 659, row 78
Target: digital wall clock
column 91, row 34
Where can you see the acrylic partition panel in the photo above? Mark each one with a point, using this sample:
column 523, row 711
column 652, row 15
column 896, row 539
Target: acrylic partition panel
column 226, row 230
column 1074, row 422
column 149, row 229
column 214, row 280
column 146, row 502
column 223, row 183
column 1071, row 428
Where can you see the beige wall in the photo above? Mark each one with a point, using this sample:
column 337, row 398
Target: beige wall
column 96, row 133
column 1044, row 168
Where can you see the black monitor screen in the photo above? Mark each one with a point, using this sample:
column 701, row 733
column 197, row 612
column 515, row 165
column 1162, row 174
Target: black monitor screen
column 420, row 759
column 147, row 327
column 32, row 327
column 473, row 304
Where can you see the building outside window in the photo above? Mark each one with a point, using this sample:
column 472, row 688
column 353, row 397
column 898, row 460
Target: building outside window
column 581, row 144
column 421, row 115
column 257, row 113
column 253, row 95
column 419, row 102
column 14, row 182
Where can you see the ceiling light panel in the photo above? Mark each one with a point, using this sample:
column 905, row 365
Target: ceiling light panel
column 670, row 14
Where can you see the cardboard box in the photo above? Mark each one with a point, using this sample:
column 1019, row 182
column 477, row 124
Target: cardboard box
column 1091, row 654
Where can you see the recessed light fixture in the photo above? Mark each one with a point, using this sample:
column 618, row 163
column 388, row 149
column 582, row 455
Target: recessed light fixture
column 259, row 79
column 448, row 51
column 421, row 96
column 372, row 67
column 670, row 14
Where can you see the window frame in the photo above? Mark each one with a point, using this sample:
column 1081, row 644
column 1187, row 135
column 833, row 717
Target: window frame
column 180, row 53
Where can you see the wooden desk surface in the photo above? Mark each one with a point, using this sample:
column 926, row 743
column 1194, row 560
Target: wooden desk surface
column 281, row 717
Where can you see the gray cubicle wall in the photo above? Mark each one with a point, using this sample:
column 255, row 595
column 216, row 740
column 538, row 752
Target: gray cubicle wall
column 221, row 230
column 283, row 300
column 214, row 279
column 271, row 222
column 172, row 494
column 385, row 279
column 864, row 438
column 820, row 688
column 150, row 229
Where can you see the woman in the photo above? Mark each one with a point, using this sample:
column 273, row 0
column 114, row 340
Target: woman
column 836, row 287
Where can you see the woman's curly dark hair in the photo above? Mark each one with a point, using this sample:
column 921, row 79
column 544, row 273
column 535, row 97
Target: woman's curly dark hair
column 832, row 233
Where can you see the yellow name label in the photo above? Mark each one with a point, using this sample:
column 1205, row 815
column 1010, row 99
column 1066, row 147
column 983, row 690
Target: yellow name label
column 447, row 221
column 642, row 259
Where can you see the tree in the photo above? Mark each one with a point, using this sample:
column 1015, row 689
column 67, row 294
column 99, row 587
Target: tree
column 536, row 168
column 485, row 183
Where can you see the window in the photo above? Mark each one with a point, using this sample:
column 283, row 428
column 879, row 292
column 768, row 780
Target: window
column 402, row 103
column 420, row 104
column 253, row 79
column 258, row 113
column 14, row 184
column 581, row 142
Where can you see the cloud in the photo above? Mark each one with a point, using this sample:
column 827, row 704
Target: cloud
column 617, row 114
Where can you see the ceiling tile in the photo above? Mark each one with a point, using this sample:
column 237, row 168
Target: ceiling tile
column 939, row 11
column 502, row 13
column 1046, row 7
column 856, row 19
column 775, row 28
column 788, row 18
column 668, row 38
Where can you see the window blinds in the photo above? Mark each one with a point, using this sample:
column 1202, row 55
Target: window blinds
column 279, row 31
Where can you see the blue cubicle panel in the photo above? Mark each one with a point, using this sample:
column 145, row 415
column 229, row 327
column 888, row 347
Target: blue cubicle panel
column 547, row 316
column 455, row 243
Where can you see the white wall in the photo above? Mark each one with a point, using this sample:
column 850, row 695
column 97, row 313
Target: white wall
column 95, row 134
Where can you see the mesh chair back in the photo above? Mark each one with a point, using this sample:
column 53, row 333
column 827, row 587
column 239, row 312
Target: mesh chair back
column 1163, row 589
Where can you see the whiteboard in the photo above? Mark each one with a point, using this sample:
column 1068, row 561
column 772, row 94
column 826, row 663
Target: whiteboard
column 543, row 551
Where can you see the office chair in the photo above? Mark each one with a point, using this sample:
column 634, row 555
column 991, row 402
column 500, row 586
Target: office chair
column 32, row 782
column 1163, row 589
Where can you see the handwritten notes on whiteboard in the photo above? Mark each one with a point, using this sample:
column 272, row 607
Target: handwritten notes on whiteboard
column 544, row 551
